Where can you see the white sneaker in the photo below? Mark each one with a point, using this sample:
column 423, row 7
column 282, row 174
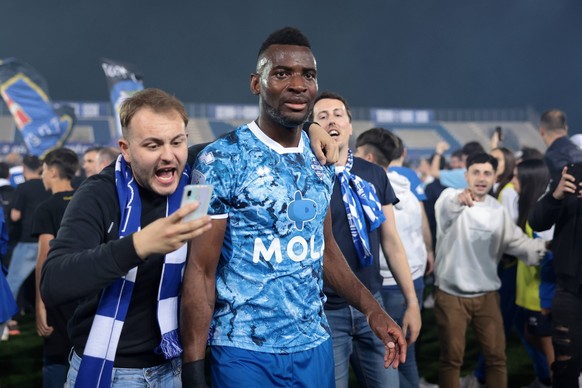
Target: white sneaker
column 538, row 384
column 425, row 384
column 5, row 334
column 428, row 302
column 470, row 381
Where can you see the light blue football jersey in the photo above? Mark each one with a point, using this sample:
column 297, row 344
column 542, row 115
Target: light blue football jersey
column 269, row 278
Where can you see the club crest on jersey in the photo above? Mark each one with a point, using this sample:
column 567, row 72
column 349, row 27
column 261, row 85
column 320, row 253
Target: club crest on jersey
column 317, row 168
column 301, row 210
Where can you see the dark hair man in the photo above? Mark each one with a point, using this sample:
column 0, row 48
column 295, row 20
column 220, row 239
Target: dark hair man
column 473, row 232
column 256, row 279
column 59, row 167
column 359, row 185
column 27, row 196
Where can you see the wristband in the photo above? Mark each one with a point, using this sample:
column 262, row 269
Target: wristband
column 307, row 124
column 193, row 374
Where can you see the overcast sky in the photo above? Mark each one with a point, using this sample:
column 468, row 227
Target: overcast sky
column 405, row 53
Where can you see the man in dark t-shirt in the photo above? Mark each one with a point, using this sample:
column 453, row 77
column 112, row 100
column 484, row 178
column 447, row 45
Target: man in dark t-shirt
column 58, row 169
column 26, row 198
column 353, row 339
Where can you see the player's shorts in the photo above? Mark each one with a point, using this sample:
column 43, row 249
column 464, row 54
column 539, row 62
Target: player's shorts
column 234, row 367
column 537, row 324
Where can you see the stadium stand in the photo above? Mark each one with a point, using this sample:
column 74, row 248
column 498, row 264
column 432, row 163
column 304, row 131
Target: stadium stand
column 420, row 130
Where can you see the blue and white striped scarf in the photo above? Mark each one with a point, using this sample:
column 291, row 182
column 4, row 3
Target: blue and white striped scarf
column 360, row 198
column 97, row 363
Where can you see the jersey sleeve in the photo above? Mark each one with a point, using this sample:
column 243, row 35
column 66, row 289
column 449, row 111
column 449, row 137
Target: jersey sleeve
column 214, row 166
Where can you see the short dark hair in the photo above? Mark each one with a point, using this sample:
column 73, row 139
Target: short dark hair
column 457, row 154
column 65, row 160
column 472, row 147
column 334, row 96
column 528, row 153
column 384, row 144
column 32, row 162
column 154, row 99
column 481, row 157
column 553, row 120
column 287, row 36
column 4, row 170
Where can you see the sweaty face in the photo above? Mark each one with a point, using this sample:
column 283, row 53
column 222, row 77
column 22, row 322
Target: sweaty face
column 156, row 149
column 90, row 163
column 332, row 115
column 480, row 178
column 286, row 80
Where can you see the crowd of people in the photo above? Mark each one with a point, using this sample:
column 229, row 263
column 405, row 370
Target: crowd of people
column 313, row 255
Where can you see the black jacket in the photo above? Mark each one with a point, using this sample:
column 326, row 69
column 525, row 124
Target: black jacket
column 87, row 256
column 567, row 244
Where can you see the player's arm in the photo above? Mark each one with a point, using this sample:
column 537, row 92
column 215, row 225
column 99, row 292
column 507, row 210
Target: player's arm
column 398, row 263
column 42, row 327
column 427, row 238
column 198, row 297
column 340, row 277
column 322, row 145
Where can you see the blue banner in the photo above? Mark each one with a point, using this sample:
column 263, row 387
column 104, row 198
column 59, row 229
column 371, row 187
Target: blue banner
column 123, row 80
column 26, row 95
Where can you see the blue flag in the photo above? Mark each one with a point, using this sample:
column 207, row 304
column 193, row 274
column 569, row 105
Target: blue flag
column 123, row 80
column 26, row 95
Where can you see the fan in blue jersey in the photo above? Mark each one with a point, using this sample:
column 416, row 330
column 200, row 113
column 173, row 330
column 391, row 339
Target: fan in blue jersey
column 253, row 287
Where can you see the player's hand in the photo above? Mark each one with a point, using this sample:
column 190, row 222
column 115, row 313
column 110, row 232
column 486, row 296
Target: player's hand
column 391, row 336
column 169, row 233
column 323, row 145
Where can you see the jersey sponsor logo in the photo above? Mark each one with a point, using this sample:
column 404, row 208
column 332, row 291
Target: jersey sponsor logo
column 297, row 250
column 301, row 210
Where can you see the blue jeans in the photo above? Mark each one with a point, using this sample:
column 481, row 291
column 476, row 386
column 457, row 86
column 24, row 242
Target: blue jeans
column 395, row 306
column 166, row 375
column 54, row 375
column 355, row 343
column 22, row 265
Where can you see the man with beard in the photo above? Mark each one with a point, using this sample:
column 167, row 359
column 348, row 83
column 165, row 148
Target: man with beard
column 473, row 231
column 256, row 279
column 120, row 251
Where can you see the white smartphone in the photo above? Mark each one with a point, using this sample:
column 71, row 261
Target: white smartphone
column 200, row 193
